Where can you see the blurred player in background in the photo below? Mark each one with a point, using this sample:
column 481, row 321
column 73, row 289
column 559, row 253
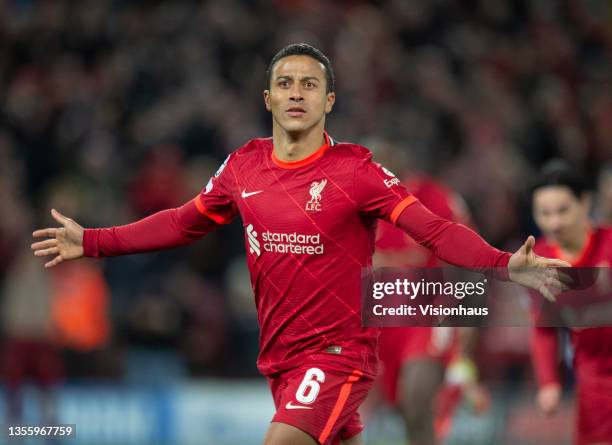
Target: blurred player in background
column 309, row 207
column 415, row 359
column 30, row 354
column 561, row 208
column 604, row 195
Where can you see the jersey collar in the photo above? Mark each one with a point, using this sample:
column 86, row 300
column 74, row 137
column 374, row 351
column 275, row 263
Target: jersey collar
column 329, row 142
column 581, row 256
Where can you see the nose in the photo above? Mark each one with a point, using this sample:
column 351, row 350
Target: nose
column 555, row 223
column 296, row 93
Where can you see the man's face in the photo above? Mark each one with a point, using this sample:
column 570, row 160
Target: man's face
column 297, row 96
column 559, row 214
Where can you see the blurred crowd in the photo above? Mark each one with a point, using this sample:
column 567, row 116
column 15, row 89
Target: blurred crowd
column 112, row 110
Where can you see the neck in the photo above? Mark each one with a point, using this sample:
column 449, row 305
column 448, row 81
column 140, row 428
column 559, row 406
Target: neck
column 295, row 146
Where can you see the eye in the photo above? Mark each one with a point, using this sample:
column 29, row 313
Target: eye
column 283, row 83
column 309, row 85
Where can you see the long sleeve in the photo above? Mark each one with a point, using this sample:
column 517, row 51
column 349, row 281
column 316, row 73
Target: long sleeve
column 163, row 230
column 545, row 353
column 453, row 243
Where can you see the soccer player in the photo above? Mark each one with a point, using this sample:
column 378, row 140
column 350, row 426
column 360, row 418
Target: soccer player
column 415, row 359
column 309, row 207
column 561, row 207
column 604, row 195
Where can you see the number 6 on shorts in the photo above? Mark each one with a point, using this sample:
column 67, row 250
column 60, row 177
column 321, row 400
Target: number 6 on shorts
column 309, row 388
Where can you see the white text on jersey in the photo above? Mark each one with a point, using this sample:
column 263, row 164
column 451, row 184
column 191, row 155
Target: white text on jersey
column 278, row 242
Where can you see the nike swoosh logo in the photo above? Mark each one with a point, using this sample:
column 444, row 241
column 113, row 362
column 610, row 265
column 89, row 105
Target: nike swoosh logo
column 290, row 405
column 246, row 195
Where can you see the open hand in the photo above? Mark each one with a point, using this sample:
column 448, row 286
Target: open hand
column 538, row 273
column 65, row 242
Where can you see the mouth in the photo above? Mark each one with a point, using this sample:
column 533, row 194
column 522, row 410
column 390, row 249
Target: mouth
column 296, row 112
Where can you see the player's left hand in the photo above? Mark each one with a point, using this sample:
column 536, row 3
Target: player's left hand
column 536, row 272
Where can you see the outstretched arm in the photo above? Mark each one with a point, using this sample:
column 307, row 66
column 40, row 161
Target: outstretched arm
column 163, row 230
column 458, row 245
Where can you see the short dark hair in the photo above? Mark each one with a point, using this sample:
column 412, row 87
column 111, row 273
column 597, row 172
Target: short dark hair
column 304, row 49
column 560, row 173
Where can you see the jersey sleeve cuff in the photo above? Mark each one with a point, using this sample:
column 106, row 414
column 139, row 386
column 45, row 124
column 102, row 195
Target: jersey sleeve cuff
column 91, row 242
column 399, row 208
column 504, row 259
column 500, row 270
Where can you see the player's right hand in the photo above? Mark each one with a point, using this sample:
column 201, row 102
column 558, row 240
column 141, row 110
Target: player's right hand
column 549, row 398
column 65, row 242
column 538, row 273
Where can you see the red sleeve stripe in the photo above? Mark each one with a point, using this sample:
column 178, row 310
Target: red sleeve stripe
column 397, row 211
column 202, row 209
column 345, row 391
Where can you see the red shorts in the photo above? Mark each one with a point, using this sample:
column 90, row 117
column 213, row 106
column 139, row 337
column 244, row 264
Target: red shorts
column 398, row 346
column 594, row 411
column 321, row 401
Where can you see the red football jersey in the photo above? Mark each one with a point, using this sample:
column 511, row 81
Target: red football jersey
column 593, row 347
column 309, row 230
column 592, row 350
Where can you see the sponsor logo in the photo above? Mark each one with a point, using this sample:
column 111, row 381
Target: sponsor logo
column 254, row 246
column 316, row 188
column 290, row 405
column 390, row 182
column 246, row 194
column 276, row 242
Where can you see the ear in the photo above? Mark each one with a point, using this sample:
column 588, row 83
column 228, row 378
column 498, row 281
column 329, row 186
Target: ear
column 266, row 97
column 331, row 100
